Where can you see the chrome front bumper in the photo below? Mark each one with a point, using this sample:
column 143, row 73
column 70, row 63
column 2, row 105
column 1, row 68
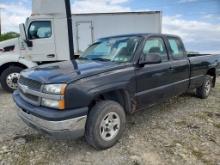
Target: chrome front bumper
column 66, row 129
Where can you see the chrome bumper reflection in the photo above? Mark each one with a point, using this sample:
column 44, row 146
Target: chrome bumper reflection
column 75, row 126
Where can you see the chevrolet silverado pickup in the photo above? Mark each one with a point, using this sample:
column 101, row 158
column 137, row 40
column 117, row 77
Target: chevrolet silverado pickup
column 115, row 76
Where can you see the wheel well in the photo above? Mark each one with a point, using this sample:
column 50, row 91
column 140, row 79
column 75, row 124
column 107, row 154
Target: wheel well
column 5, row 66
column 212, row 72
column 120, row 96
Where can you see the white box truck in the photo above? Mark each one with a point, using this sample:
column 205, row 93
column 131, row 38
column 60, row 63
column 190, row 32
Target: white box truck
column 87, row 28
column 51, row 33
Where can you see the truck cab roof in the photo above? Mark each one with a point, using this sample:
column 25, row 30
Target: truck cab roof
column 144, row 35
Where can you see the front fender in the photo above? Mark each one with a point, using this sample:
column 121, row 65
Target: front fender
column 108, row 88
column 79, row 96
column 12, row 57
column 27, row 63
column 84, row 91
column 8, row 58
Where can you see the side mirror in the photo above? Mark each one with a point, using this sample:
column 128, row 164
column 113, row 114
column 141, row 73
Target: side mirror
column 22, row 32
column 23, row 35
column 151, row 58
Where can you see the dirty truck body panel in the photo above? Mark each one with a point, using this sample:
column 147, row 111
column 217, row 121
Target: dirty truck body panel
column 140, row 84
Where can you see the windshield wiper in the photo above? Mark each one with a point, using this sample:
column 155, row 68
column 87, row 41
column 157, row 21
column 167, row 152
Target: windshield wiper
column 101, row 59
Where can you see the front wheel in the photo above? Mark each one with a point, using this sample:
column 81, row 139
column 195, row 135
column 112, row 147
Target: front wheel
column 204, row 91
column 105, row 124
column 10, row 77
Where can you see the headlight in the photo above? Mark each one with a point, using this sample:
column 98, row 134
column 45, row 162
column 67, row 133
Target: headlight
column 54, row 89
column 57, row 89
column 57, row 104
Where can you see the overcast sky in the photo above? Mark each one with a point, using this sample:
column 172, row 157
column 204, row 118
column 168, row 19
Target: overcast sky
column 196, row 21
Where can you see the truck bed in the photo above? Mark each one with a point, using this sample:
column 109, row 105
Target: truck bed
column 200, row 64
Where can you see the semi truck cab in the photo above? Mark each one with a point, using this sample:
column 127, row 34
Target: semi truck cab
column 45, row 37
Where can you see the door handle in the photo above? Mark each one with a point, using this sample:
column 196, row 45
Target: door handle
column 50, row 56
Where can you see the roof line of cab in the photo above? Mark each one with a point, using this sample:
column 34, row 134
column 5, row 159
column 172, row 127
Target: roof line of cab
column 140, row 35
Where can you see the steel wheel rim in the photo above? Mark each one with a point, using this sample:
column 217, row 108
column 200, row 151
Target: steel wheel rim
column 110, row 126
column 12, row 80
column 207, row 87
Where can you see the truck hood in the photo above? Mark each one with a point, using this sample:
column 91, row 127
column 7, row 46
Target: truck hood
column 8, row 43
column 65, row 72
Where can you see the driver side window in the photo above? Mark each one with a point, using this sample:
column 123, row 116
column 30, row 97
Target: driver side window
column 39, row 30
column 155, row 46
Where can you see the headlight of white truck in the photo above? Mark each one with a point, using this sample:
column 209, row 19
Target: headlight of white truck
column 54, row 89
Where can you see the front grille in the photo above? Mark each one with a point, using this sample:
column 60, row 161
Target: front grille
column 35, row 100
column 25, row 87
column 29, row 96
column 31, row 84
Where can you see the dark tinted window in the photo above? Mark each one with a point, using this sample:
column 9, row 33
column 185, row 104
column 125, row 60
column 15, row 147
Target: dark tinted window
column 155, row 46
column 176, row 48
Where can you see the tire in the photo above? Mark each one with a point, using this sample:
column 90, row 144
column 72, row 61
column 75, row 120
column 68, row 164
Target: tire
column 95, row 134
column 204, row 91
column 14, row 73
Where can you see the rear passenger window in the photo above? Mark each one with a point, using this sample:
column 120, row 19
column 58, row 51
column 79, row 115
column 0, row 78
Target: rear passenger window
column 176, row 48
column 155, row 45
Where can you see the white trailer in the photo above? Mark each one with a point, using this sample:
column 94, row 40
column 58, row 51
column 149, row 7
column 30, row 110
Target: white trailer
column 87, row 28
column 51, row 33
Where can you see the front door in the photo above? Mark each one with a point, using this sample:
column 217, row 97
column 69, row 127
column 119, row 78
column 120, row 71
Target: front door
column 84, row 35
column 42, row 37
column 153, row 79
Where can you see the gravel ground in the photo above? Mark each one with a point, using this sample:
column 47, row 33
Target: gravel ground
column 184, row 130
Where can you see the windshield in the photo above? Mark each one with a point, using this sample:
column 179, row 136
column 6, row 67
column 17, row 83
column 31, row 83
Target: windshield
column 112, row 49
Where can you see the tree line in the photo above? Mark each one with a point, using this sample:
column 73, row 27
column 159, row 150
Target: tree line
column 9, row 35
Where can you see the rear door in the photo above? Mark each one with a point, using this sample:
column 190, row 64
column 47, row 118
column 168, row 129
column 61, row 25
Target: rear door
column 153, row 79
column 84, row 35
column 180, row 67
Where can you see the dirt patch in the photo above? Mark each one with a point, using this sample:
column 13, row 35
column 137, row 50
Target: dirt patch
column 184, row 130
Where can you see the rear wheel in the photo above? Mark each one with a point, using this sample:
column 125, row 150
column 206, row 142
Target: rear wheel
column 105, row 124
column 204, row 91
column 10, row 77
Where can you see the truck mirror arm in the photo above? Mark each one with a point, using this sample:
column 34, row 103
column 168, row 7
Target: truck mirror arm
column 29, row 43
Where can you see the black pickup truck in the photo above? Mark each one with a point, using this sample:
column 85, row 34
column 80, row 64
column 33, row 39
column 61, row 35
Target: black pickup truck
column 115, row 76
